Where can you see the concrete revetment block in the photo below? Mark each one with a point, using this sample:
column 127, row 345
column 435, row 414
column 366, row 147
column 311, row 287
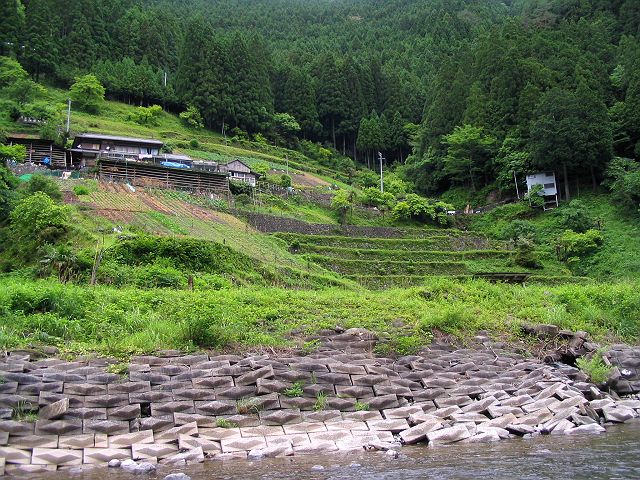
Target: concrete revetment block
column 128, row 387
column 294, row 440
column 84, row 389
column 184, row 406
column 280, row 417
column 157, row 424
column 402, row 412
column 56, row 456
column 315, row 447
column 110, row 427
column 218, row 433
column 212, row 382
column 347, row 368
column 173, row 433
column 449, row 435
column 235, row 393
column 154, row 396
column 363, row 416
column 216, row 407
column 126, row 412
column 459, row 401
column 106, row 400
column 242, row 444
column 186, row 442
column 128, row 439
column 250, row 378
column 347, row 425
column 322, row 416
column 87, row 413
column 202, row 420
column 262, row 431
column 357, row 391
column 195, row 455
column 394, row 425
column 58, row 427
column 384, row 402
column 341, row 404
column 305, row 427
column 15, row 455
column 104, row 455
column 190, row 393
column 420, row 431
column 370, row 380
column 78, row 442
column 143, row 451
column 32, row 441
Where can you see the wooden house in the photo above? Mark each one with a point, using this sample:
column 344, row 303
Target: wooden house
column 87, row 148
column 241, row 172
column 43, row 152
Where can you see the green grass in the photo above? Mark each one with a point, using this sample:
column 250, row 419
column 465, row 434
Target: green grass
column 120, row 321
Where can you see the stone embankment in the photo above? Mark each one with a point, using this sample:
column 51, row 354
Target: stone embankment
column 177, row 409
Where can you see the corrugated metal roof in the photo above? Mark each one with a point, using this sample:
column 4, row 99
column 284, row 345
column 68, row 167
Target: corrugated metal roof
column 119, row 139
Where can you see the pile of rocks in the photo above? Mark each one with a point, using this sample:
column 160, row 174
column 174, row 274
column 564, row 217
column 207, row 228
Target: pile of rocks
column 176, row 409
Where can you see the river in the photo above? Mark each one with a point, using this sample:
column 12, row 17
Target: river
column 613, row 455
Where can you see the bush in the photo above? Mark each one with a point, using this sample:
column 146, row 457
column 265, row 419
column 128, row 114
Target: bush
column 518, row 229
column 41, row 183
column 159, row 276
column 577, row 217
column 373, row 197
column 525, row 253
column 192, row 118
column 415, row 207
column 242, row 199
column 81, row 190
column 579, row 245
column 285, row 180
column 146, row 115
column 594, row 367
column 36, row 221
column 194, row 143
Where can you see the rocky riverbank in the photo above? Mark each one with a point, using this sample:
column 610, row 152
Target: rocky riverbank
column 177, row 409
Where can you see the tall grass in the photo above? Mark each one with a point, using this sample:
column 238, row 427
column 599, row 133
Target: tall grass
column 127, row 320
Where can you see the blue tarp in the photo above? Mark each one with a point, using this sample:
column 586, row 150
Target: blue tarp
column 174, row 165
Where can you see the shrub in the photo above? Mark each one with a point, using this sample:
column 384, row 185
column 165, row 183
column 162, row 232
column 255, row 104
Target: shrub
column 194, row 143
column 41, row 183
column 525, row 253
column 517, row 229
column 415, row 207
column 285, row 180
column 534, row 196
column 146, row 115
column 594, row 367
column 243, row 199
column 578, row 245
column 192, row 118
column 373, row 197
column 576, row 217
column 37, row 220
column 158, row 276
column 81, row 190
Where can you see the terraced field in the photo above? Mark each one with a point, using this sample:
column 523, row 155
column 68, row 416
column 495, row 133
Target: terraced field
column 409, row 260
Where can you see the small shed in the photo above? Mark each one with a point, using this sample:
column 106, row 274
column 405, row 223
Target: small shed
column 89, row 147
column 39, row 151
column 549, row 187
column 241, row 172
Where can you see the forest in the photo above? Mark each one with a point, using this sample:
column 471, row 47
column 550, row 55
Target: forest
column 455, row 94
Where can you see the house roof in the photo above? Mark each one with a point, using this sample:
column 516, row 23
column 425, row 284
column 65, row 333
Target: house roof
column 115, row 138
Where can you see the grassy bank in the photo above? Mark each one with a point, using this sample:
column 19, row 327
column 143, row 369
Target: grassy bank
column 126, row 320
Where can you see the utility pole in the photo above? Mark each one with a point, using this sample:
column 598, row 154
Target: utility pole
column 287, row 157
column 515, row 179
column 381, row 177
column 68, row 116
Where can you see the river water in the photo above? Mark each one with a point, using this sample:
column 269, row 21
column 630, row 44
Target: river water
column 613, row 455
